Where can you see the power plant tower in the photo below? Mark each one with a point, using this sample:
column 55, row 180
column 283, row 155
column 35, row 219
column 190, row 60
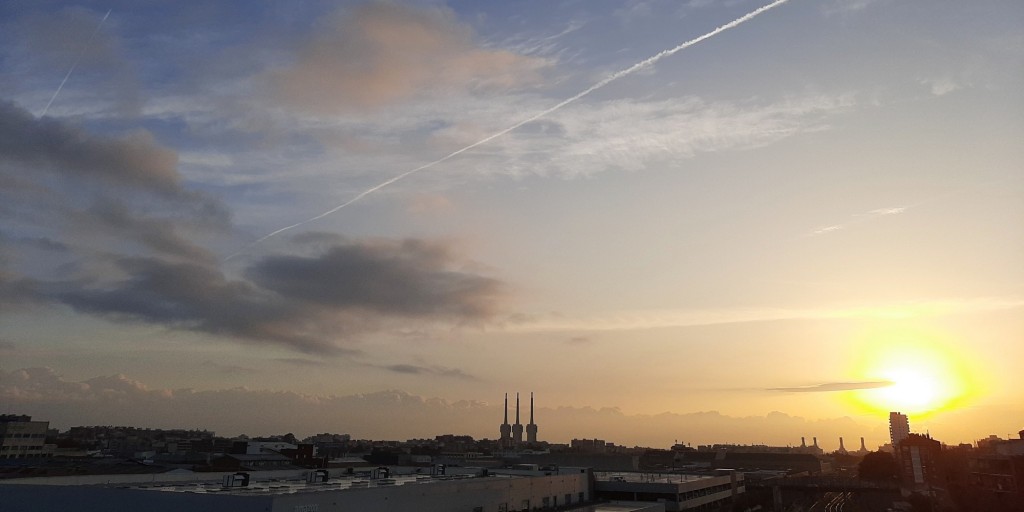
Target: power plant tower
column 863, row 449
column 506, row 429
column 842, row 449
column 531, row 429
column 517, row 429
column 803, row 442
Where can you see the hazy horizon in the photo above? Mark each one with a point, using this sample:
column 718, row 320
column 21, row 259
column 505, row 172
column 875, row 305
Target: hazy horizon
column 800, row 215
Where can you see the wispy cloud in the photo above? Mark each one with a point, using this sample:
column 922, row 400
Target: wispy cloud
column 835, row 386
column 647, row 319
column 941, row 86
column 381, row 53
column 859, row 218
column 438, row 371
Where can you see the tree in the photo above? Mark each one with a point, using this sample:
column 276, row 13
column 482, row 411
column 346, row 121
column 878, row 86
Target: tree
column 878, row 467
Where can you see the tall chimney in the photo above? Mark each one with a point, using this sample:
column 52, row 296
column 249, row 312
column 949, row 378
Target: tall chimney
column 517, row 429
column 531, row 429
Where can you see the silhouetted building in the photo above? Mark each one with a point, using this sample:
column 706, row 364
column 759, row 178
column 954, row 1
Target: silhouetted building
column 997, row 469
column 919, row 456
column 899, row 428
column 677, row 492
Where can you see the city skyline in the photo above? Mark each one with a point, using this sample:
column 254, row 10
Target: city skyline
column 756, row 218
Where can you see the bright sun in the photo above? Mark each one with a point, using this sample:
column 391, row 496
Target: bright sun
column 926, row 377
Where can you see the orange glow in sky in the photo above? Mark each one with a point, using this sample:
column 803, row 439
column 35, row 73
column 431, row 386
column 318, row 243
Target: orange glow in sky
column 927, row 376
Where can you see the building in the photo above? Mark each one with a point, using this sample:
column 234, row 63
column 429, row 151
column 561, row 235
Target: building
column 997, row 470
column 919, row 456
column 511, row 436
column 899, row 428
column 793, row 464
column 308, row 491
column 22, row 438
column 677, row 492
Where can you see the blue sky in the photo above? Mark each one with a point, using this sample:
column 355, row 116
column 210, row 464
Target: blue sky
column 783, row 205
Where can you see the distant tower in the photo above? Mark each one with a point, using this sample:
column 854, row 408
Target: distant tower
column 863, row 449
column 506, row 429
column 842, row 448
column 815, row 441
column 531, row 429
column 517, row 429
column 899, row 428
column 803, row 442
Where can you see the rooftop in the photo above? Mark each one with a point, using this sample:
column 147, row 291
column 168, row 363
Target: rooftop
column 661, row 478
column 293, row 486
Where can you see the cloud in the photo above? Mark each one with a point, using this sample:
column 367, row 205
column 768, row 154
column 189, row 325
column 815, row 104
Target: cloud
column 439, row 371
column 194, row 297
column 835, row 386
column 941, row 86
column 408, row 278
column 630, row 134
column 390, row 414
column 159, row 235
column 381, row 53
column 648, row 319
column 131, row 161
column 309, row 304
column 860, row 218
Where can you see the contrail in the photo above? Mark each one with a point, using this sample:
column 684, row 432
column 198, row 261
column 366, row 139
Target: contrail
column 75, row 64
column 611, row 78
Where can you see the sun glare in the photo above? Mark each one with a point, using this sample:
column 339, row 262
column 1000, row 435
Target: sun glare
column 926, row 376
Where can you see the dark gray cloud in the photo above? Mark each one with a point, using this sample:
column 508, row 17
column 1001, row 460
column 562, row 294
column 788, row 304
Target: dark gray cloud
column 439, row 371
column 312, row 305
column 157, row 234
column 407, row 278
column 199, row 298
column 835, row 386
column 98, row 190
column 43, row 143
column 299, row 361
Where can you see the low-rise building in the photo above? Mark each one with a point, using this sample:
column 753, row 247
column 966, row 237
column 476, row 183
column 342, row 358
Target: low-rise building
column 677, row 492
column 22, row 438
column 310, row 491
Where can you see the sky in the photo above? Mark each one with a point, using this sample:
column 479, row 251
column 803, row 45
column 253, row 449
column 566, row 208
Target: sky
column 702, row 221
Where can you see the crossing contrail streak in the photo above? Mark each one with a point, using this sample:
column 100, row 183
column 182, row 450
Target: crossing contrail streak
column 607, row 80
column 74, row 64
